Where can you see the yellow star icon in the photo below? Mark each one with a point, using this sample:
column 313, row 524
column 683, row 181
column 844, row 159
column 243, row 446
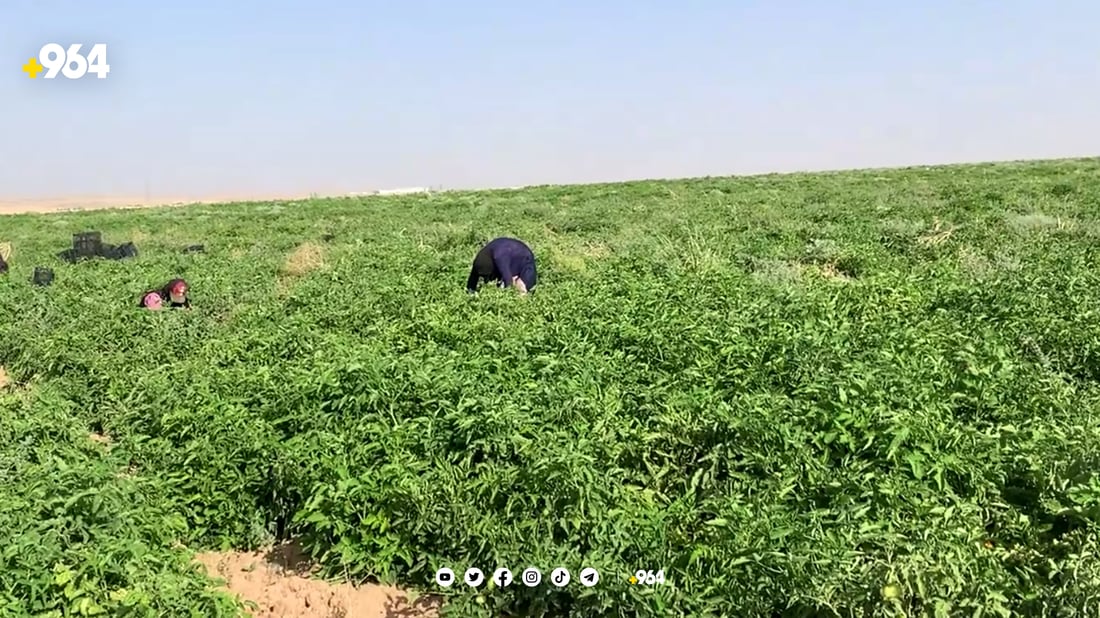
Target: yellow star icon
column 32, row 68
column 633, row 580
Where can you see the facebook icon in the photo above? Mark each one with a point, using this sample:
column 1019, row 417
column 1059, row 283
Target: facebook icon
column 502, row 577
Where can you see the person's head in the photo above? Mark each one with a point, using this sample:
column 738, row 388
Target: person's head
column 177, row 290
column 528, row 278
column 152, row 301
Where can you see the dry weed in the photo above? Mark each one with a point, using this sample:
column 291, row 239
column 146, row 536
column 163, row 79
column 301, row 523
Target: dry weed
column 1066, row 225
column 982, row 265
column 306, row 258
column 128, row 473
column 829, row 270
column 1038, row 221
column 777, row 271
column 938, row 235
column 596, row 250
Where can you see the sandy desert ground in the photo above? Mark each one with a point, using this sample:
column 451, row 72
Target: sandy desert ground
column 278, row 581
column 14, row 206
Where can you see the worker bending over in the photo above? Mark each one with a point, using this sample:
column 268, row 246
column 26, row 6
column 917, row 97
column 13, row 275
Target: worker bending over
column 506, row 260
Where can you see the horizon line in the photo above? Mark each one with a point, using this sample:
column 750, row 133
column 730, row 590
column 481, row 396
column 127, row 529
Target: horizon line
column 73, row 202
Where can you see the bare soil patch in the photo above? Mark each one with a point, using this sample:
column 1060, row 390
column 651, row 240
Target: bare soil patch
column 4, row 379
column 280, row 585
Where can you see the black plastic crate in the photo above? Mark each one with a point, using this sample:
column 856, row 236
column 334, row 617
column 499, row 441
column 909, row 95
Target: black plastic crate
column 42, row 276
column 87, row 244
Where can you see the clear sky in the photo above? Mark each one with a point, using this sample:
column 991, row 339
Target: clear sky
column 234, row 96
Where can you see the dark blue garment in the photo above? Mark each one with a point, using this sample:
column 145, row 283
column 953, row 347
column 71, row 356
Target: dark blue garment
column 500, row 260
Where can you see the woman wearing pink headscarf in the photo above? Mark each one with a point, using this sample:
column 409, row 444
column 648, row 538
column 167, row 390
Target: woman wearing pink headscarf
column 151, row 300
column 174, row 293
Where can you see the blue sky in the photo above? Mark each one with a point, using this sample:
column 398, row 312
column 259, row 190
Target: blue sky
column 235, row 96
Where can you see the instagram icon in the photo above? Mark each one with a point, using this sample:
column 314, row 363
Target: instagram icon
column 531, row 577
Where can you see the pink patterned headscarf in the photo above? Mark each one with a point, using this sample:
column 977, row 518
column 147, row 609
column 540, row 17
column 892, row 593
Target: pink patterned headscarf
column 152, row 300
column 177, row 290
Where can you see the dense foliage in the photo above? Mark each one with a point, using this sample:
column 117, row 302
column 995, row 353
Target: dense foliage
column 869, row 393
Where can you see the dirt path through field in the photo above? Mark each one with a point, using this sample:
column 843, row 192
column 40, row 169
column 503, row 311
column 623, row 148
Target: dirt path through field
column 278, row 582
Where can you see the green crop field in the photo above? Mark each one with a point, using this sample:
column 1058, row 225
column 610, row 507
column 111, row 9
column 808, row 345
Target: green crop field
column 870, row 393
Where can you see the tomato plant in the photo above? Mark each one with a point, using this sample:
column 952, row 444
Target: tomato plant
column 868, row 393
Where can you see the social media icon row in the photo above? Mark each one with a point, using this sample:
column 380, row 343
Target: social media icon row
column 530, row 577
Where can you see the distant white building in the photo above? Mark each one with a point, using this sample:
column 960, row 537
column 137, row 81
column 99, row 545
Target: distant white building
column 406, row 191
